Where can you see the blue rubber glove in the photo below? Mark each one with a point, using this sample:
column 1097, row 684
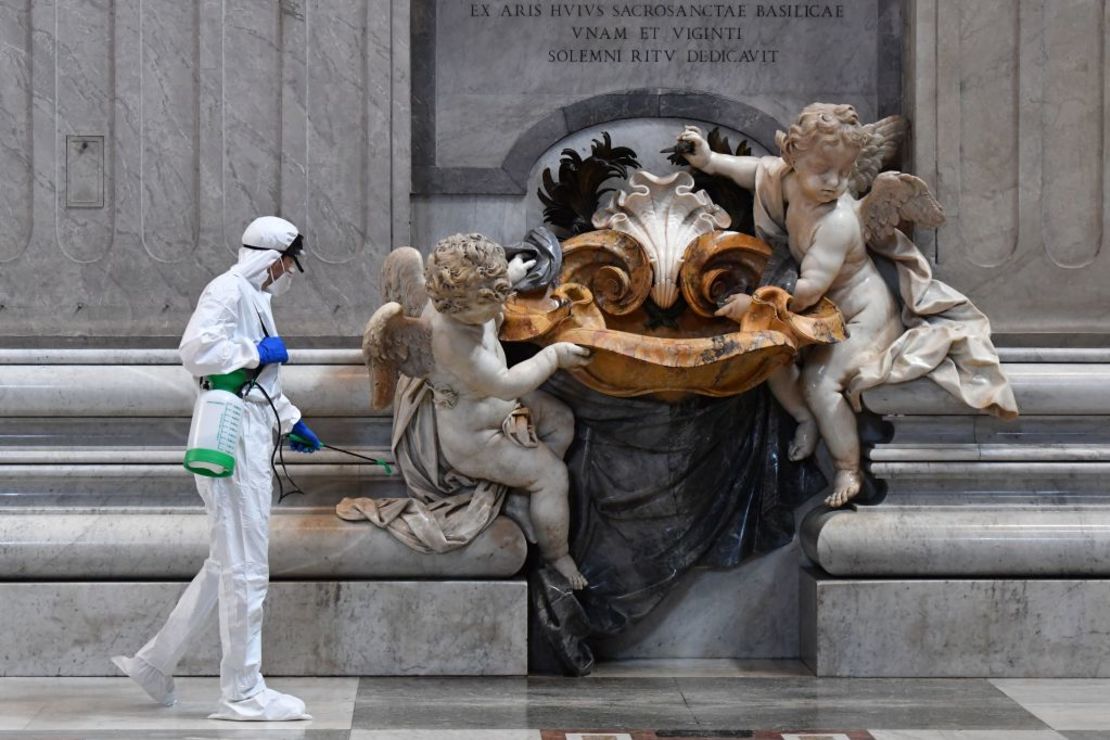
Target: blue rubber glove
column 271, row 350
column 303, row 439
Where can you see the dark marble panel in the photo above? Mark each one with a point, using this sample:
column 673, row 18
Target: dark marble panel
column 604, row 108
column 454, row 180
column 505, row 703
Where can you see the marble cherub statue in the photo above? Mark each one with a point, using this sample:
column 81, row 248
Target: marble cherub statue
column 808, row 198
column 491, row 421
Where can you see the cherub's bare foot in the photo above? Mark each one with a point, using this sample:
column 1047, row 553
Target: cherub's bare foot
column 569, row 569
column 845, row 488
column 805, row 440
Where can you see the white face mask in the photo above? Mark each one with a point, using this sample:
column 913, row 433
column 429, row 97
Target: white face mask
column 279, row 286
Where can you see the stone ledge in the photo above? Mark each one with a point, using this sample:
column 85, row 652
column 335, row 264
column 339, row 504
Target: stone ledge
column 960, row 540
column 1040, row 389
column 172, row 544
column 164, row 390
column 331, row 628
column 944, row 628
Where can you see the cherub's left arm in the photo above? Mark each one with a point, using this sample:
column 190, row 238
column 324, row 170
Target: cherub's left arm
column 832, row 240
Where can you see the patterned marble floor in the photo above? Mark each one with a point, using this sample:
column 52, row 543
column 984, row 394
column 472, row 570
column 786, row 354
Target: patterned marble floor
column 645, row 700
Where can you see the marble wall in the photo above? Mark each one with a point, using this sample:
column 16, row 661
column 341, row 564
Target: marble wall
column 138, row 137
column 1010, row 103
column 500, row 81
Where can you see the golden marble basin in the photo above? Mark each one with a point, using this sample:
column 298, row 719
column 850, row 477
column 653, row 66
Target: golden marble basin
column 601, row 303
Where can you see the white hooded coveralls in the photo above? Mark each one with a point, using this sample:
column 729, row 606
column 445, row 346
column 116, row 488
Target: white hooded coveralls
column 232, row 315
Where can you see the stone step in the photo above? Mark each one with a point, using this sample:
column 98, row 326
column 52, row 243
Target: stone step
column 969, row 428
column 982, row 471
column 154, row 456
column 960, row 540
column 957, row 628
column 171, row 544
column 313, row 628
column 121, row 356
column 940, row 452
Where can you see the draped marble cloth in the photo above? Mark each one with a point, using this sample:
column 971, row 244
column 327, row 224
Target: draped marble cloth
column 657, row 488
column 947, row 338
column 444, row 510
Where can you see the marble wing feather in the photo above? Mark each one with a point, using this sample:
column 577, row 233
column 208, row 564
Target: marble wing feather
column 884, row 138
column 394, row 343
column 403, row 280
column 897, row 197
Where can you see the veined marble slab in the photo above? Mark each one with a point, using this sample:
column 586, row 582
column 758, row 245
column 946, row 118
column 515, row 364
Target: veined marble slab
column 1040, row 388
column 1006, row 628
column 172, row 545
column 313, row 628
column 162, row 390
column 157, row 357
column 111, row 455
column 963, row 540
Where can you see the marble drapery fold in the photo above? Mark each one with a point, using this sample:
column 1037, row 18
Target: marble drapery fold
column 946, row 338
column 444, row 510
column 657, row 488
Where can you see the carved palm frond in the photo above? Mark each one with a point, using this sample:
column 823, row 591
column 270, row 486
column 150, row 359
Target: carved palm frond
column 571, row 200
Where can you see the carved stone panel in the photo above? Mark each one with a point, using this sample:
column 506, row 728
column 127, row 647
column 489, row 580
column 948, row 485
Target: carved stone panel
column 1012, row 130
column 139, row 137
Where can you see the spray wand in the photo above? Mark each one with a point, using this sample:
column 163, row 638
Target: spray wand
column 298, row 438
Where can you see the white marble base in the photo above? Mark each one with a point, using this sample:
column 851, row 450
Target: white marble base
column 1013, row 628
column 325, row 628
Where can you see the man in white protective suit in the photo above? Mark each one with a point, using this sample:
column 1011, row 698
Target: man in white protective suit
column 231, row 329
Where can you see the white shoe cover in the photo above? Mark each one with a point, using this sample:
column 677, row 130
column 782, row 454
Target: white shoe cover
column 156, row 684
column 265, row 706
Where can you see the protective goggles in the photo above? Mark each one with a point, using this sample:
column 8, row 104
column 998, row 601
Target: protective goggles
column 294, row 250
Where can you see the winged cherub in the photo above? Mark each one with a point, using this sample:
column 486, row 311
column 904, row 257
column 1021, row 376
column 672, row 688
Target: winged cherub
column 491, row 422
column 828, row 159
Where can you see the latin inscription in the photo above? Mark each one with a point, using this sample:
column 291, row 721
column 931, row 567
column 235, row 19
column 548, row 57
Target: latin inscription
column 658, row 33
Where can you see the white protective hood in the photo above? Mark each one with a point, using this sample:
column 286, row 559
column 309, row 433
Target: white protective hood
column 253, row 264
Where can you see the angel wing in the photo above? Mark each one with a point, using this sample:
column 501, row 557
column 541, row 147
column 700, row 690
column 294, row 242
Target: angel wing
column 394, row 343
column 403, row 280
column 884, row 138
column 897, row 197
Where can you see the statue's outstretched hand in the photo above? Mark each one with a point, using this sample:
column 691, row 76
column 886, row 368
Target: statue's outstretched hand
column 735, row 307
column 570, row 355
column 518, row 269
column 699, row 156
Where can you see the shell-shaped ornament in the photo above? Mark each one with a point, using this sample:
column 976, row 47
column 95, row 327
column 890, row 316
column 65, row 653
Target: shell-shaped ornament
column 664, row 215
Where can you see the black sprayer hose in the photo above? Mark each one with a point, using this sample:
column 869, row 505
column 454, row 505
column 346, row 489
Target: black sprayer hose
column 279, row 451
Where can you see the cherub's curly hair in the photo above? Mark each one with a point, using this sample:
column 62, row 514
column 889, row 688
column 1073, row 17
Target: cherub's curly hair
column 465, row 267
column 822, row 123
